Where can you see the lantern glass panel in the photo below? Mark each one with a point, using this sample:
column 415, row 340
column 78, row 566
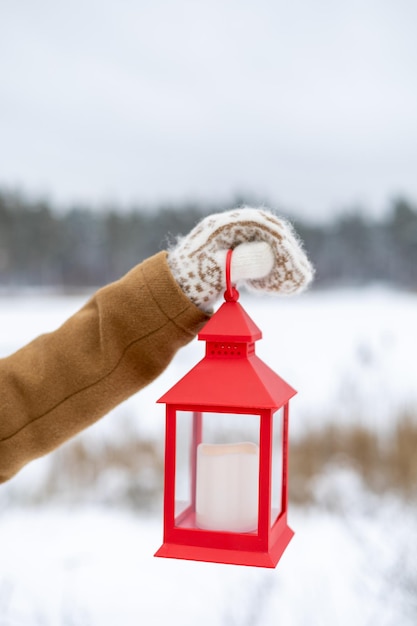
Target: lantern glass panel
column 219, row 428
column 183, row 470
column 217, row 471
column 277, row 465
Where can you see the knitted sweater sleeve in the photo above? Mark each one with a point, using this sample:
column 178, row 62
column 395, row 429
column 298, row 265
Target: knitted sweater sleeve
column 65, row 380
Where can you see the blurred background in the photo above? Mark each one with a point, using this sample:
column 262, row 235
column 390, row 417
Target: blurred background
column 121, row 125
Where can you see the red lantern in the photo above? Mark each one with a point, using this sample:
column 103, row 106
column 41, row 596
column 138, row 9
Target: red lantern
column 226, row 450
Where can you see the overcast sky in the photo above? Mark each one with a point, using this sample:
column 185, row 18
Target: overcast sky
column 308, row 105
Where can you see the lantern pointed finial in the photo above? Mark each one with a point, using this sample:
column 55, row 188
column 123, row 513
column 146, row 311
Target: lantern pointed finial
column 230, row 322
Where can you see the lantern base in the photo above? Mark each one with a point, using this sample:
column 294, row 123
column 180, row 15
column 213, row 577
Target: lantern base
column 229, row 556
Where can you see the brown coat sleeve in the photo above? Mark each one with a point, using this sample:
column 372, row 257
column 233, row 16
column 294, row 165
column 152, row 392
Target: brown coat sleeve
column 116, row 344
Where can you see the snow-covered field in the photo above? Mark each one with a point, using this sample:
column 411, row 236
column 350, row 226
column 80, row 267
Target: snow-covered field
column 95, row 567
column 351, row 355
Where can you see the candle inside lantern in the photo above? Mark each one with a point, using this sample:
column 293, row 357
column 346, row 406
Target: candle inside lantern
column 227, row 487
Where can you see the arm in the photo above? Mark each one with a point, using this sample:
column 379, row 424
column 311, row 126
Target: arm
column 128, row 332
column 62, row 382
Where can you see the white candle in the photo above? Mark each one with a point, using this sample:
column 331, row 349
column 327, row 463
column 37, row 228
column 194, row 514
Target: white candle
column 227, row 487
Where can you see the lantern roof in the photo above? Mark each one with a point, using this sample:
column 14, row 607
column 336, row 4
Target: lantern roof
column 230, row 322
column 236, row 382
column 229, row 376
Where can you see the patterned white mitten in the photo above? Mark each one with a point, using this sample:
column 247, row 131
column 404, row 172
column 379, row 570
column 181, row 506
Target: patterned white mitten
column 267, row 256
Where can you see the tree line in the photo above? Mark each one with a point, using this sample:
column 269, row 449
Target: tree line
column 82, row 247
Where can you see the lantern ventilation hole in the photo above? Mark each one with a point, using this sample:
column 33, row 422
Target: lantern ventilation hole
column 226, row 349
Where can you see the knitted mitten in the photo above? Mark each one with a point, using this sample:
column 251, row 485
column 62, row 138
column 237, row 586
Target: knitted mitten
column 267, row 256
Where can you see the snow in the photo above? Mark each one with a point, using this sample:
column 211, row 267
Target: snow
column 350, row 354
column 95, row 566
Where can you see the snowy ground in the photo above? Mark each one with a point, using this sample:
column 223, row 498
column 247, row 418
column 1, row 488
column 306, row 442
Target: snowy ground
column 94, row 567
column 351, row 355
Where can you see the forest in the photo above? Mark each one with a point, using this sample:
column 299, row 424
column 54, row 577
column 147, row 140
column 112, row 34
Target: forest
column 81, row 247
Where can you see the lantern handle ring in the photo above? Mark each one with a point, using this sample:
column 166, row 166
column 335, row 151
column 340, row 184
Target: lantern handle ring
column 231, row 294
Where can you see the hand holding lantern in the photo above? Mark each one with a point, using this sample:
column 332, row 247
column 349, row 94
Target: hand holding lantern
column 267, row 256
column 229, row 514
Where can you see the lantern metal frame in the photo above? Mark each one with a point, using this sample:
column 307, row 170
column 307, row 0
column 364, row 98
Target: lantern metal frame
column 229, row 379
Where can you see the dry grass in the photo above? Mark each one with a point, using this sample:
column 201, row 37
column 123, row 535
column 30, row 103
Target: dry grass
column 131, row 473
column 385, row 464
